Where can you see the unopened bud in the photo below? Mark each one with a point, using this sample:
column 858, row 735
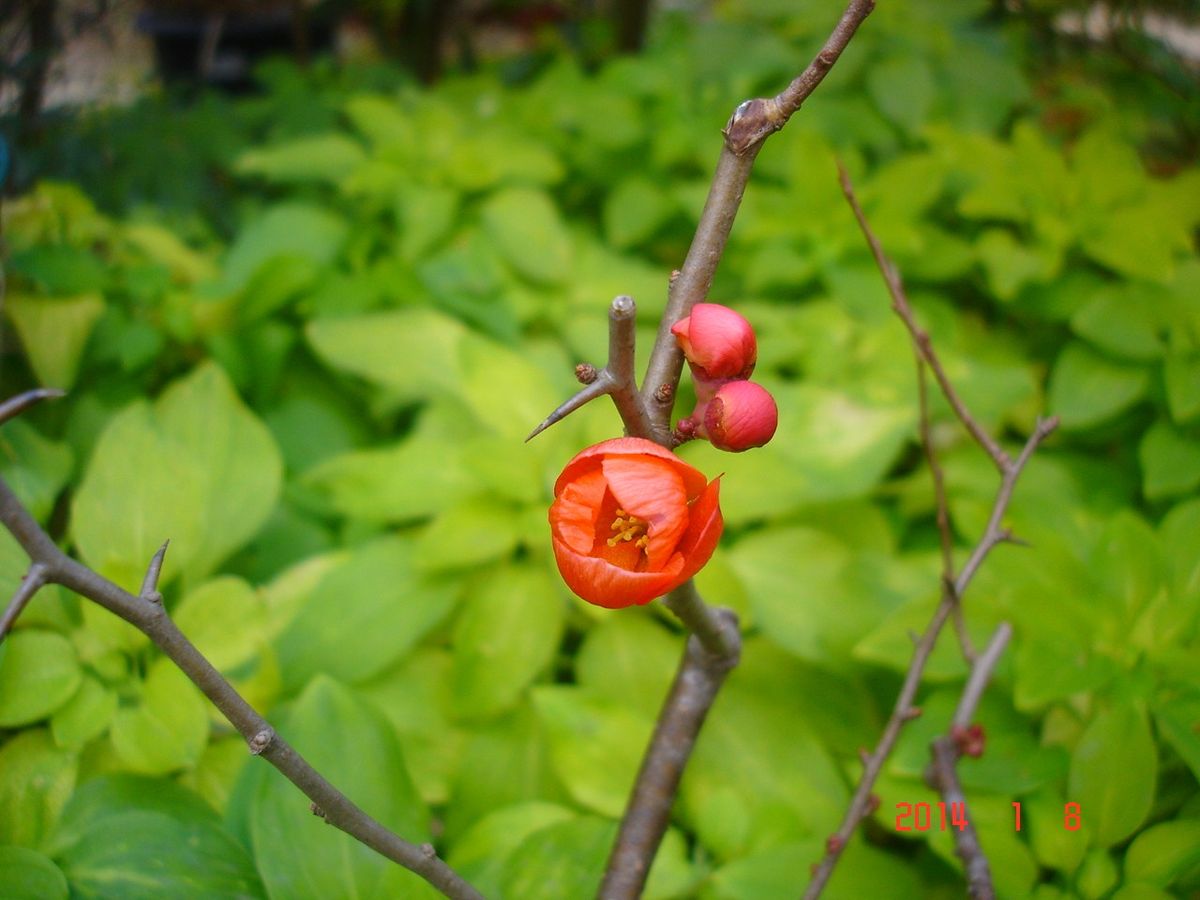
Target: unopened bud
column 718, row 342
column 741, row 415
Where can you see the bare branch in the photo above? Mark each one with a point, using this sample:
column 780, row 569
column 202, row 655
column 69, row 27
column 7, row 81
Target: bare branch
column 952, row 590
column 945, row 535
column 710, row 625
column 920, row 337
column 616, row 379
column 943, row 775
column 697, row 681
column 152, row 620
column 31, row 583
column 14, row 406
column 751, row 124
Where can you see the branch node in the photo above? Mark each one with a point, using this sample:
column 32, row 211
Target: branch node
column 586, row 373
column 913, row 712
column 428, row 850
column 316, row 810
column 261, row 741
column 31, row 582
column 970, row 740
column 834, row 843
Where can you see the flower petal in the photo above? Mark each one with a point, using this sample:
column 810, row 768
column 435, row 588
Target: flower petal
column 704, row 531
column 574, row 513
column 627, row 446
column 603, row 584
column 651, row 489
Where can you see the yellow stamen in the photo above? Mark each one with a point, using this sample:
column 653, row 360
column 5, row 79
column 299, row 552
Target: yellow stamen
column 627, row 528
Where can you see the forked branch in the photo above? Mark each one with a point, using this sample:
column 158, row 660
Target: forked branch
column 146, row 612
column 953, row 588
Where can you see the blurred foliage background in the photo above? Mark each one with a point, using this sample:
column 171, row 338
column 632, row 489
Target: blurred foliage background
column 305, row 332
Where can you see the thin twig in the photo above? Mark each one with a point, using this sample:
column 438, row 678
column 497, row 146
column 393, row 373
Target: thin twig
column 945, row 535
column 31, row 583
column 150, row 617
column 943, row 774
column 697, row 681
column 900, row 304
column 751, row 124
column 16, row 405
column 952, row 590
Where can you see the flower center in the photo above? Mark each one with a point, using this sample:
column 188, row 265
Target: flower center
column 627, row 528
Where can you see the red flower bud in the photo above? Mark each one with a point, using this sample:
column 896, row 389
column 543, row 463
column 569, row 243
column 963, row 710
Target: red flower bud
column 741, row 415
column 718, row 342
column 631, row 521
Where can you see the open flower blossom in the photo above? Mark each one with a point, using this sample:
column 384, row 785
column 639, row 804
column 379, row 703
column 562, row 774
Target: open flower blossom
column 631, row 521
column 741, row 415
column 717, row 342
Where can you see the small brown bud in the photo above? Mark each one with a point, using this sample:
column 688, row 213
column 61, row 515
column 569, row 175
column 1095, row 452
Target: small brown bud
column 316, row 810
column 834, row 843
column 261, row 741
column 969, row 741
column 872, row 804
column 664, row 393
column 585, row 373
column 913, row 712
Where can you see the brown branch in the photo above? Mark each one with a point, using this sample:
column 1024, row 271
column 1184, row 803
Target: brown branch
column 697, row 681
column 945, row 535
column 943, row 775
column 616, row 379
column 715, row 632
column 952, row 589
column 920, row 337
column 751, row 124
column 149, row 616
column 31, row 582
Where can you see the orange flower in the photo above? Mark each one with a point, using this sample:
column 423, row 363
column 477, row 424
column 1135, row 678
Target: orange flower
column 631, row 521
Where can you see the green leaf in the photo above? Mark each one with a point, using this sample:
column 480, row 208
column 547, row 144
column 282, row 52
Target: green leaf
column 504, row 762
column 426, row 214
column 39, row 672
column 365, row 614
column 226, row 619
column 36, row 779
column 54, row 332
column 35, row 468
column 468, row 534
column 1043, row 818
column 319, row 157
column 1182, row 376
column 1011, row 265
column 629, row 659
column 409, row 351
column 503, row 388
column 634, row 210
column 1176, row 714
column 1133, row 241
column 1113, row 773
column 1123, row 321
column 60, row 269
column 759, row 776
column 408, row 480
column 85, row 716
column 596, row 745
column 137, row 838
column 168, row 727
column 1170, row 462
column 1165, row 854
column 480, row 855
column 199, row 468
column 506, row 634
column 1086, row 389
column 903, row 88
column 292, row 229
column 527, row 229
column 565, row 859
column 351, row 745
column 416, row 698
column 27, row 875
column 1180, row 530
column 805, row 593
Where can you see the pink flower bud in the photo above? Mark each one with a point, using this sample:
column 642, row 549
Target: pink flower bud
column 741, row 415
column 718, row 342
